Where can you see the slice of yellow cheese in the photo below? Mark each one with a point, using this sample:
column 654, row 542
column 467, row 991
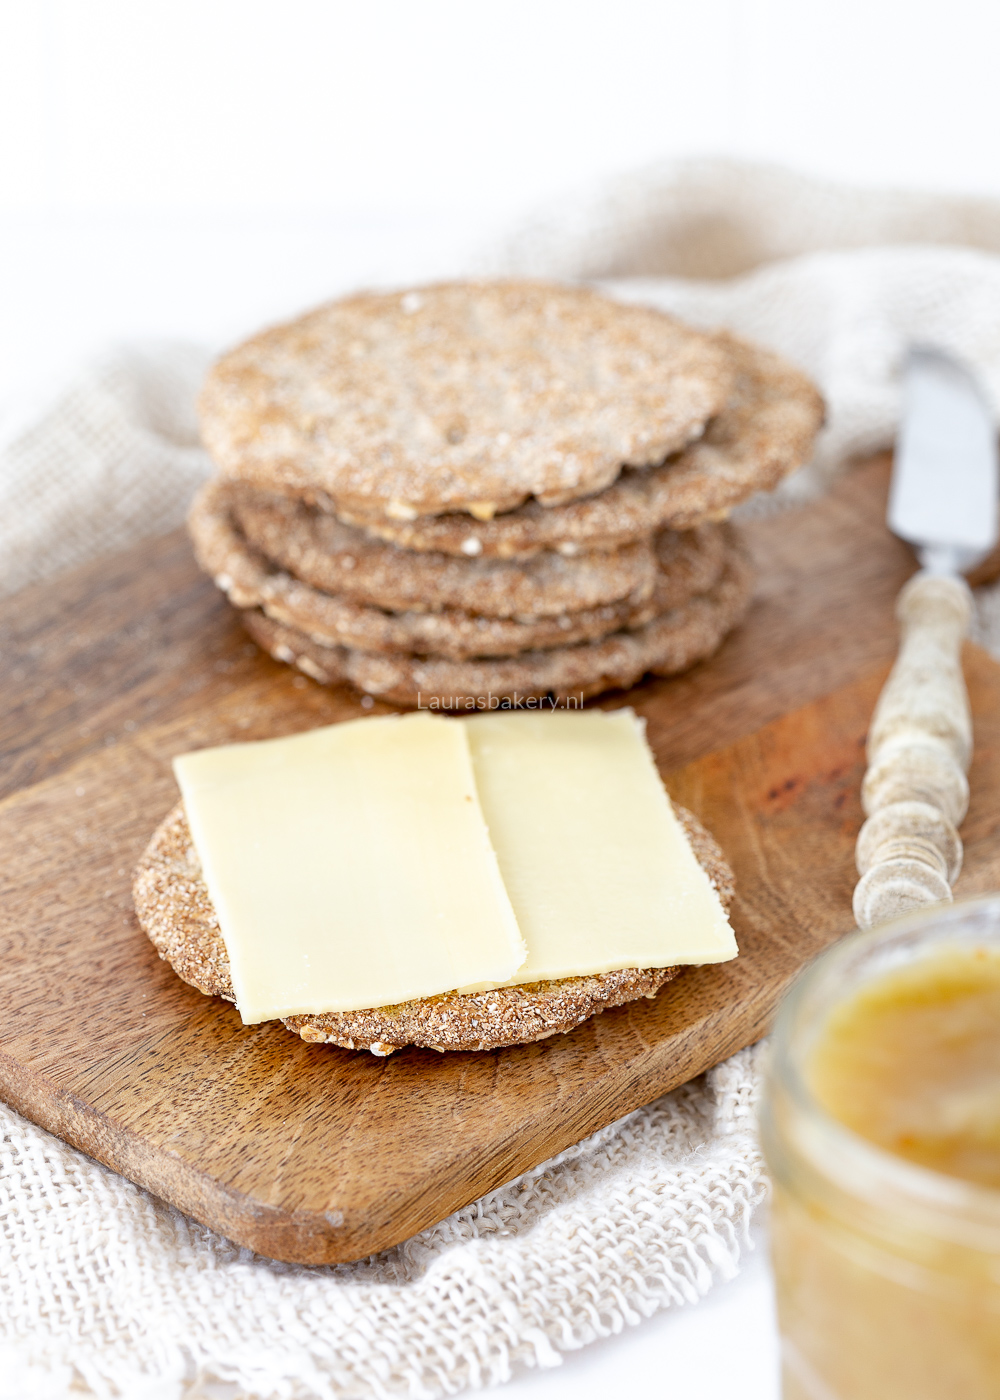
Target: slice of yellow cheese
column 598, row 869
column 350, row 866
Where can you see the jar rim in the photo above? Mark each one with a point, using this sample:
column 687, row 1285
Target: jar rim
column 951, row 1207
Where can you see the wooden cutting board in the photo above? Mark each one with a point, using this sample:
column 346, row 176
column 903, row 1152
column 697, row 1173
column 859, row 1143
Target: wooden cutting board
column 315, row 1154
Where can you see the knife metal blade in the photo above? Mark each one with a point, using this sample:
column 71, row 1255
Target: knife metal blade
column 945, row 480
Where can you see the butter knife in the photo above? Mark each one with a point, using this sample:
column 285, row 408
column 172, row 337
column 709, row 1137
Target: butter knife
column 944, row 502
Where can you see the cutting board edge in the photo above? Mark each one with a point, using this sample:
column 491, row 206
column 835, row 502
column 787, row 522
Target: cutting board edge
column 243, row 1220
column 311, row 1237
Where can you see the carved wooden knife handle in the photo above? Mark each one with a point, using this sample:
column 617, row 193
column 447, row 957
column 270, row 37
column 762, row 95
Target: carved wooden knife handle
column 915, row 792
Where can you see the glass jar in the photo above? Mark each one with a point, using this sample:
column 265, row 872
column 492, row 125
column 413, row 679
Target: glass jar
column 887, row 1273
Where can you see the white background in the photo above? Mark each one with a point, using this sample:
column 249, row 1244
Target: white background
column 190, row 168
column 391, row 105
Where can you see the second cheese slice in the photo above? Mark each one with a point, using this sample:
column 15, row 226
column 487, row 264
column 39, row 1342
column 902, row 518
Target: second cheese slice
column 598, row 869
column 350, row 866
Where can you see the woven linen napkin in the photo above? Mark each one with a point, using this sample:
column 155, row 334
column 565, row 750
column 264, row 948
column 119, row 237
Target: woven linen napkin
column 106, row 1290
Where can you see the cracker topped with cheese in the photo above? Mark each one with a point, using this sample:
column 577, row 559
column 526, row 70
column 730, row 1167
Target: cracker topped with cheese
column 459, row 883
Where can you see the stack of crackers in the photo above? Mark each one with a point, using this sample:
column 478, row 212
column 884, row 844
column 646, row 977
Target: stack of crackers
column 491, row 492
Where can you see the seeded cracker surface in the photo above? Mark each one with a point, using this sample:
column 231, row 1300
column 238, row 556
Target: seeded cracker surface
column 176, row 913
column 764, row 432
column 683, row 566
column 316, row 548
column 665, row 646
column 469, row 396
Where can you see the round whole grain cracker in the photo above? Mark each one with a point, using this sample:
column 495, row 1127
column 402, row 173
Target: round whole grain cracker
column 688, row 570
column 176, row 913
column 686, row 565
column 317, row 549
column 668, row 644
column 765, row 431
column 468, row 396
column 458, row 635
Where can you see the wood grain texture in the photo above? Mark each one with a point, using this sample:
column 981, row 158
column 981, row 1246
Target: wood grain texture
column 314, row 1154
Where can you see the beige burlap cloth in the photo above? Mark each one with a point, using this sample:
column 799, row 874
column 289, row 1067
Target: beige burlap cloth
column 105, row 1289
